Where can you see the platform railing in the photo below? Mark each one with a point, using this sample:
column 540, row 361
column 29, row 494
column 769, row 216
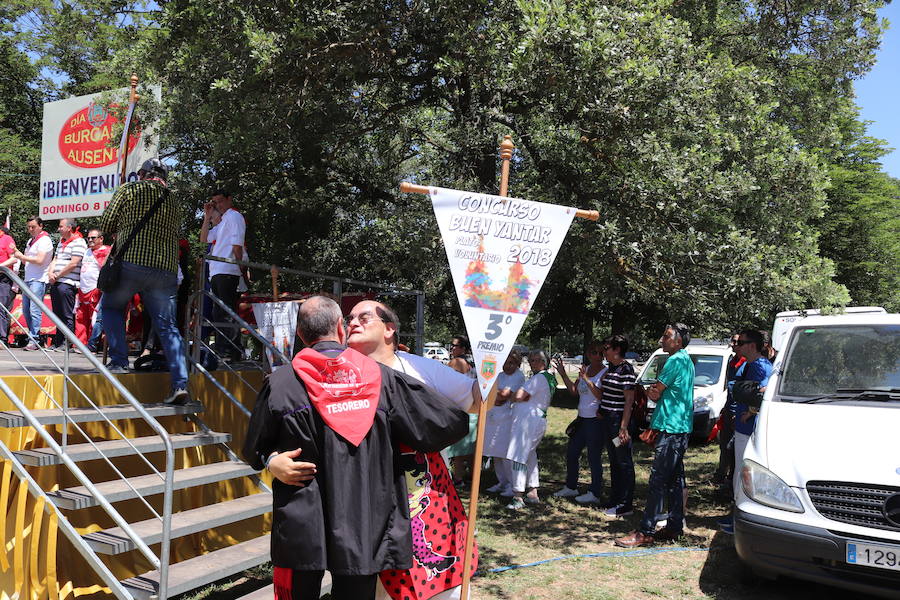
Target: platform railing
column 160, row 561
column 202, row 353
column 338, row 284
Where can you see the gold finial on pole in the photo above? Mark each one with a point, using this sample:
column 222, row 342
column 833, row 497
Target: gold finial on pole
column 134, row 84
column 506, row 152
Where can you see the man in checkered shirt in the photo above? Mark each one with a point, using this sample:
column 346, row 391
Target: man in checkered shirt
column 150, row 268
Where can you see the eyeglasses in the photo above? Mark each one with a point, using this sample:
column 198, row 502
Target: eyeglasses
column 94, row 237
column 363, row 319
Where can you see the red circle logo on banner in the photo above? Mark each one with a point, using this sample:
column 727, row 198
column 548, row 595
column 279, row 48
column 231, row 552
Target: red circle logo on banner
column 83, row 139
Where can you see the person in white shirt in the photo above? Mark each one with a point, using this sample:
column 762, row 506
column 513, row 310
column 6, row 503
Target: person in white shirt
column 437, row 513
column 529, row 417
column 587, row 430
column 37, row 258
column 498, row 424
column 225, row 229
column 65, row 276
column 87, row 310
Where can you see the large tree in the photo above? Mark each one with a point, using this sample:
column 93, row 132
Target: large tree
column 699, row 130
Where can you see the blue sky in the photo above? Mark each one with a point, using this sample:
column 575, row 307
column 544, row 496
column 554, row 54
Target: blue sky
column 877, row 94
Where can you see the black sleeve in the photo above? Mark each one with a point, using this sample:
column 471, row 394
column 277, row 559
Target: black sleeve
column 419, row 417
column 262, row 432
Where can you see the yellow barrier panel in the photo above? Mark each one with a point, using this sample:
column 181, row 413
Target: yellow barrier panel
column 65, row 571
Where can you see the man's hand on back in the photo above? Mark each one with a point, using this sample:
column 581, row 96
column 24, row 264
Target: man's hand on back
column 290, row 472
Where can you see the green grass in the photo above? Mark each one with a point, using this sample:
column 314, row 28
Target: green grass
column 560, row 527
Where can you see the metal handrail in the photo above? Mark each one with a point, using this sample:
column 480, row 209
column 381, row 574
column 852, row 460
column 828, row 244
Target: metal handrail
column 68, row 530
column 162, row 561
column 240, row 322
column 337, row 287
column 85, row 435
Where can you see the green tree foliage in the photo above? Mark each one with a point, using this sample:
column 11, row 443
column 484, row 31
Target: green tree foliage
column 703, row 131
column 861, row 225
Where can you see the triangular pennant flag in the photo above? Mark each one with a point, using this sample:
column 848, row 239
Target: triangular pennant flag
column 500, row 250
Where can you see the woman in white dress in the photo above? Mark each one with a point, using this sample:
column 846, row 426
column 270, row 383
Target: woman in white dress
column 498, row 423
column 529, row 422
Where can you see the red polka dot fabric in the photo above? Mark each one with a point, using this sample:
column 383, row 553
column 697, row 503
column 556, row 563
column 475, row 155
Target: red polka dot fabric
column 439, row 525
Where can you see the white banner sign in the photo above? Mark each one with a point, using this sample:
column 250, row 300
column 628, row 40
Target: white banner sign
column 277, row 322
column 78, row 166
column 500, row 250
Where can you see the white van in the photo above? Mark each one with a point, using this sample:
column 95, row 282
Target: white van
column 820, row 493
column 710, row 365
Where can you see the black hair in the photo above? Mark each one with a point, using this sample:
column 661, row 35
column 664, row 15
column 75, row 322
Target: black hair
column 387, row 314
column 36, row 219
column 756, row 336
column 464, row 342
column 223, row 191
column 618, row 342
column 682, row 331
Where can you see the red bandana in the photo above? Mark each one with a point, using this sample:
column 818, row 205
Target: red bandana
column 344, row 390
column 75, row 235
column 35, row 239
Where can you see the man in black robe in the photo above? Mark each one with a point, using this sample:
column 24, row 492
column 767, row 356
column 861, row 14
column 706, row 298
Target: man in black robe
column 343, row 505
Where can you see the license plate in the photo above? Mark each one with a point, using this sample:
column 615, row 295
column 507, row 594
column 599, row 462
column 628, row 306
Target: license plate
column 871, row 555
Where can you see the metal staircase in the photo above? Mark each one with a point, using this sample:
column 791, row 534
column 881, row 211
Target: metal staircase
column 153, row 487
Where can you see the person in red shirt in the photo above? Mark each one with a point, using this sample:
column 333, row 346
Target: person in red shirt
column 7, row 259
column 88, row 293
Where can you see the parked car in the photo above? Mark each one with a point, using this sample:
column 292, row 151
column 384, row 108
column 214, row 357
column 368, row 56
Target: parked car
column 820, row 493
column 437, row 352
column 710, row 363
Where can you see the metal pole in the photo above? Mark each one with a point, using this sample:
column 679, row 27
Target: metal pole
column 420, row 323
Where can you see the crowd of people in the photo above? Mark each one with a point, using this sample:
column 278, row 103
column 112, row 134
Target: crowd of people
column 138, row 235
column 353, row 405
column 315, row 458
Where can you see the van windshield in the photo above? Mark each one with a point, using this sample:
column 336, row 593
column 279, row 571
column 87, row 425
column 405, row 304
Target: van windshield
column 707, row 368
column 824, row 360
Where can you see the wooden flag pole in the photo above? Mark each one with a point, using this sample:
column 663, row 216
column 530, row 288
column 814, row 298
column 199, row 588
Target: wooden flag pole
column 506, row 151
column 133, row 98
column 412, row 188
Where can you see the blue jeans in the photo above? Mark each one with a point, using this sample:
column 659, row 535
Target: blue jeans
column 97, row 331
column 158, row 289
column 588, row 433
column 666, row 482
column 31, row 311
column 621, row 464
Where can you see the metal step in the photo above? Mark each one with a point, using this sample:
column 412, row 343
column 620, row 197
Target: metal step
column 268, row 592
column 113, row 541
column 205, row 569
column 54, row 416
column 43, row 457
column 147, row 485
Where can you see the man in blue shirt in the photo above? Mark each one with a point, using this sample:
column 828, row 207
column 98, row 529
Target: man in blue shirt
column 756, row 367
column 673, row 420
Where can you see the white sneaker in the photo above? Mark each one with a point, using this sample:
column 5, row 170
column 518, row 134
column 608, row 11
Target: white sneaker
column 497, row 487
column 566, row 492
column 507, row 493
column 516, row 504
column 587, row 498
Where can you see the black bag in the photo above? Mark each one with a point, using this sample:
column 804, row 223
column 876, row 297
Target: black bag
column 747, row 392
column 111, row 271
column 573, row 427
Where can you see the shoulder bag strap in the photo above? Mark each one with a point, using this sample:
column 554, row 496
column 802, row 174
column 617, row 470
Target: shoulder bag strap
column 117, row 251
